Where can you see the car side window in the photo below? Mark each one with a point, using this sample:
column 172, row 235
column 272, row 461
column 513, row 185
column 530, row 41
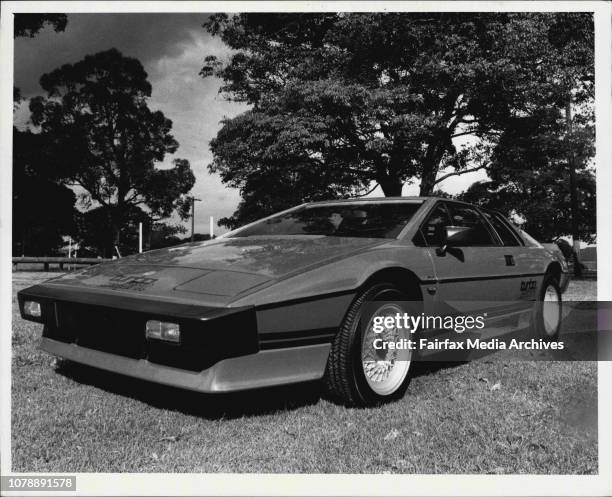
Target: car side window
column 504, row 232
column 432, row 231
column 477, row 234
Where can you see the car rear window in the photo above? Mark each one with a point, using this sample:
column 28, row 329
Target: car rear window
column 363, row 220
column 503, row 230
column 478, row 234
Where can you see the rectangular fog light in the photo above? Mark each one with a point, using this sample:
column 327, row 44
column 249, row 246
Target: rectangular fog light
column 161, row 330
column 32, row 308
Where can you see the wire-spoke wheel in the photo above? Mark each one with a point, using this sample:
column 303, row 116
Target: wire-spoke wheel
column 384, row 369
column 362, row 369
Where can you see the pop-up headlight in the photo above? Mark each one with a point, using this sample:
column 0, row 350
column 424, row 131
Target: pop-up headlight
column 161, row 330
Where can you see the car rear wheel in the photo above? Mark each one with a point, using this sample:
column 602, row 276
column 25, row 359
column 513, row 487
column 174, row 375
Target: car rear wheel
column 549, row 309
column 357, row 372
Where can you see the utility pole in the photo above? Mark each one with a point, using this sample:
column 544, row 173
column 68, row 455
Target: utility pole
column 193, row 201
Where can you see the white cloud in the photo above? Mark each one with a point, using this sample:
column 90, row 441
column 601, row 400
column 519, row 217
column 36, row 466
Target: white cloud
column 196, row 109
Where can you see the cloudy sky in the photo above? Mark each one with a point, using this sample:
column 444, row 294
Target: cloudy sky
column 171, row 48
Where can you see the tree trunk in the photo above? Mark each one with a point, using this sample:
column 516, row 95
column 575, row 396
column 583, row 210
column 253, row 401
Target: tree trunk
column 115, row 231
column 116, row 238
column 428, row 179
column 431, row 165
column 573, row 191
column 427, row 186
column 391, row 187
column 116, row 235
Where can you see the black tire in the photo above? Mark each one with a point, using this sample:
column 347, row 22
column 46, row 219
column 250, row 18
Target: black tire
column 345, row 380
column 550, row 285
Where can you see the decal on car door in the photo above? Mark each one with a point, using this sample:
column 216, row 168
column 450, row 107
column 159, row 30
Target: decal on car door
column 528, row 289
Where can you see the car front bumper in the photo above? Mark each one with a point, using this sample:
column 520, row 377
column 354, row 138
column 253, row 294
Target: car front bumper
column 262, row 369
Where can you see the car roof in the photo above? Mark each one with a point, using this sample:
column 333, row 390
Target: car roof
column 407, row 199
column 374, row 200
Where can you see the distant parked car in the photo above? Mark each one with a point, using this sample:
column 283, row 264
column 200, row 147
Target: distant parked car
column 576, row 265
column 588, row 257
column 561, row 250
column 292, row 297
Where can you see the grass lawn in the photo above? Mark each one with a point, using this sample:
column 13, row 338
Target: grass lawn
column 488, row 416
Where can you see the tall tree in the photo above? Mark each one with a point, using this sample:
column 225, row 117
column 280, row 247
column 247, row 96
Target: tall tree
column 572, row 35
column 104, row 139
column 381, row 97
column 529, row 181
column 43, row 209
column 542, row 164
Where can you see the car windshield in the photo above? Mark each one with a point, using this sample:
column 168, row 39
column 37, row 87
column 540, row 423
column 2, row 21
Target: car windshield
column 364, row 220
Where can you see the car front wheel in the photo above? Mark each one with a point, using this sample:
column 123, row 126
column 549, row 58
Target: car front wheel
column 360, row 372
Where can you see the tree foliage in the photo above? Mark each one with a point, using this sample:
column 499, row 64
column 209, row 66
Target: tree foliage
column 102, row 138
column 539, row 152
column 529, row 177
column 29, row 25
column 43, row 209
column 389, row 98
column 280, row 171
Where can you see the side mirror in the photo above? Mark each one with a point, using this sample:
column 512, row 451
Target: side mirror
column 453, row 235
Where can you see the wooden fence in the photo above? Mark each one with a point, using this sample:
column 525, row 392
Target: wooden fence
column 56, row 260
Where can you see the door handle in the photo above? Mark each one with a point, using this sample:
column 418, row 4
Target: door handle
column 509, row 260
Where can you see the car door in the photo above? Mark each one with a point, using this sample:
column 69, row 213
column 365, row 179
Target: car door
column 525, row 262
column 474, row 273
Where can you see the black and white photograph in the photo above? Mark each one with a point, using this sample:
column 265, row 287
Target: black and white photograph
column 306, row 248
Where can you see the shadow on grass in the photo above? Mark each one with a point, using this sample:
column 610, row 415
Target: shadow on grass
column 257, row 402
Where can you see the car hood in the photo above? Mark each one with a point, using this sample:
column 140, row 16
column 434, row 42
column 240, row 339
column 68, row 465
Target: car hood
column 225, row 267
column 267, row 256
